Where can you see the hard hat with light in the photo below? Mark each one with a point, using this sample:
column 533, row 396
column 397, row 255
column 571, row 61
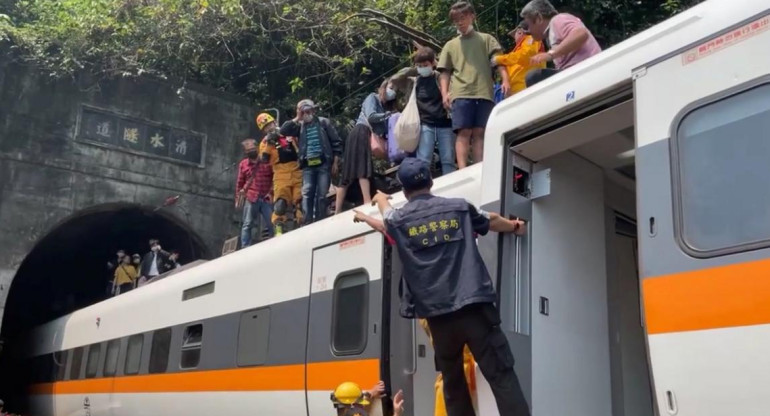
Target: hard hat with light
column 263, row 120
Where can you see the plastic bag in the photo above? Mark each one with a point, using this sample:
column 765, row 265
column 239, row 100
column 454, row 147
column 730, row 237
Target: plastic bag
column 407, row 129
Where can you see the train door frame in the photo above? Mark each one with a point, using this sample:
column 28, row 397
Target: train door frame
column 358, row 257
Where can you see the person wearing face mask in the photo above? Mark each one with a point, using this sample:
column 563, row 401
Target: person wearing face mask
column 435, row 124
column 320, row 148
column 467, row 86
column 357, row 166
column 518, row 61
column 154, row 262
column 253, row 189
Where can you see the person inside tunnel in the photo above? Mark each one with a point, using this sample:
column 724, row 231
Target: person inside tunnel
column 65, row 270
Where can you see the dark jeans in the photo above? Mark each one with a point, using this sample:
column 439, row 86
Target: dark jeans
column 315, row 186
column 536, row 75
column 250, row 212
column 478, row 326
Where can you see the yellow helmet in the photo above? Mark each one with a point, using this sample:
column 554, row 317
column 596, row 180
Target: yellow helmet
column 263, row 120
column 349, row 393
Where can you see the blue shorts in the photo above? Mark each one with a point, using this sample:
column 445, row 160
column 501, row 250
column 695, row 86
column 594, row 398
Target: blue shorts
column 469, row 113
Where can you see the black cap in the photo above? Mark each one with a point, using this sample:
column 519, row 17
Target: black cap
column 414, row 174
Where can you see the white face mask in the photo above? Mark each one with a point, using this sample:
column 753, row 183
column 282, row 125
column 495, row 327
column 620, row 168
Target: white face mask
column 425, row 71
column 390, row 94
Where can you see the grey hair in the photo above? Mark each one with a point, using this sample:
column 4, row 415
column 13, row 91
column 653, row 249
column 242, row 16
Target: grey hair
column 541, row 8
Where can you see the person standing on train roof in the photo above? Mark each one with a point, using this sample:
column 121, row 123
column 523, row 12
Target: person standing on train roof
column 320, row 148
column 281, row 152
column 253, row 192
column 125, row 277
column 446, row 282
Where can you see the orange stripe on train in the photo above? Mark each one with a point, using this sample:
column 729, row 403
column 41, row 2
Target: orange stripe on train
column 719, row 297
column 320, row 376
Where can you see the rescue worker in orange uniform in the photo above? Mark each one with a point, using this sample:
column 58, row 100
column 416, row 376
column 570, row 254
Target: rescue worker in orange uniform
column 469, row 365
column 517, row 62
column 281, row 153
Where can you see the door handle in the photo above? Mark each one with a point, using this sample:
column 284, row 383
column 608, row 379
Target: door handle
column 671, row 406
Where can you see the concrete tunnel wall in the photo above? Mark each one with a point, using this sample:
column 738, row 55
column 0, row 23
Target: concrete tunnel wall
column 50, row 169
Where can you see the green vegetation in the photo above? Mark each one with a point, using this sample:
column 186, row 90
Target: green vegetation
column 271, row 51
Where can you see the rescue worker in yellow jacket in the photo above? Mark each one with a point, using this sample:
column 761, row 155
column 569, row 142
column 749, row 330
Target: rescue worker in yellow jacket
column 517, row 62
column 281, row 153
column 469, row 365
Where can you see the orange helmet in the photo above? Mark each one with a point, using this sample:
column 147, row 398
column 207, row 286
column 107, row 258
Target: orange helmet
column 263, row 120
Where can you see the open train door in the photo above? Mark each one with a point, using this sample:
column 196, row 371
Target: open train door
column 703, row 120
column 344, row 326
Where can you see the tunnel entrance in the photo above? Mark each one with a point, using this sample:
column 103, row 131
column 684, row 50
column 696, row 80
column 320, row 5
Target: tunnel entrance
column 67, row 270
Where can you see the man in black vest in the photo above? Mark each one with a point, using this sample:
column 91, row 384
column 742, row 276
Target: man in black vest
column 445, row 281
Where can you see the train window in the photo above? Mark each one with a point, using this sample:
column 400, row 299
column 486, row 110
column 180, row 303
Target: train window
column 77, row 363
column 161, row 341
column 719, row 158
column 60, row 360
column 192, row 342
column 111, row 357
column 253, row 337
column 133, row 354
column 92, row 364
column 349, row 313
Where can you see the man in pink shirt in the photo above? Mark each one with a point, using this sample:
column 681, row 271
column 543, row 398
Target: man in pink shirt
column 568, row 41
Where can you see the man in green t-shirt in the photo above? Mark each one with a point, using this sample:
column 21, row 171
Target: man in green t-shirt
column 467, row 85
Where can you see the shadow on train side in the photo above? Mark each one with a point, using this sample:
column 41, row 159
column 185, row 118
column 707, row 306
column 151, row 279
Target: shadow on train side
column 67, row 270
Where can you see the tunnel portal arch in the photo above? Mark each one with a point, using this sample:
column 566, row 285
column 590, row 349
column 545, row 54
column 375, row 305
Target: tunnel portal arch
column 67, row 268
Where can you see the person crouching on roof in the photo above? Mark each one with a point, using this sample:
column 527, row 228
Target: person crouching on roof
column 281, row 152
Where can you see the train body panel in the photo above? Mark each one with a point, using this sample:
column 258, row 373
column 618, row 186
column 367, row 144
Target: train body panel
column 600, row 288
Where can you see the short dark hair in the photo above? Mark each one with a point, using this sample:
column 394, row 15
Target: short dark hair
column 424, row 54
column 461, row 8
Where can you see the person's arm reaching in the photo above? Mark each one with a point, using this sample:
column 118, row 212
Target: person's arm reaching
column 500, row 224
column 382, row 201
column 577, row 35
column 370, row 221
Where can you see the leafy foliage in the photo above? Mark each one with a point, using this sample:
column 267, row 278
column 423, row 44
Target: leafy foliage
column 272, row 51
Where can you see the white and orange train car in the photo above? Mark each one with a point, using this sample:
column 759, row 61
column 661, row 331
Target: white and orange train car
column 642, row 287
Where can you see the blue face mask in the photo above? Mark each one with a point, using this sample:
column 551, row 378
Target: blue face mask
column 390, row 94
column 425, row 71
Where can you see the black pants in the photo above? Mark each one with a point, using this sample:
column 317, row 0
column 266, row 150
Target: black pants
column 536, row 75
column 125, row 287
column 478, row 326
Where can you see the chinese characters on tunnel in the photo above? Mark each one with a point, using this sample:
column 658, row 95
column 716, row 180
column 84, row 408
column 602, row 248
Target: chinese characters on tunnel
column 140, row 136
